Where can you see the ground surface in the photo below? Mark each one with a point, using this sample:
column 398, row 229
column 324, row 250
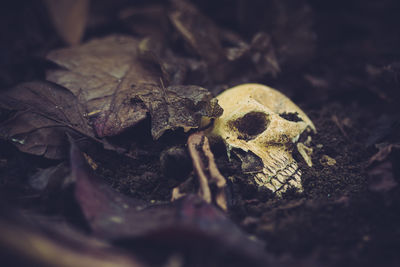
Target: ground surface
column 343, row 72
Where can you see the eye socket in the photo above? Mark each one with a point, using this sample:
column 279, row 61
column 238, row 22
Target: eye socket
column 250, row 125
column 291, row 116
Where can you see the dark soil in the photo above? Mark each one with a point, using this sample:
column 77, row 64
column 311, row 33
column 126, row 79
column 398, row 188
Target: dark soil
column 347, row 214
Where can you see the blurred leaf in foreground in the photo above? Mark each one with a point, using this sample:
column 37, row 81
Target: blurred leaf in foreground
column 69, row 18
column 190, row 222
column 34, row 240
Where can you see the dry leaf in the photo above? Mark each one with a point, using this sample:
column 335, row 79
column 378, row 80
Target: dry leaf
column 69, row 18
column 44, row 112
column 34, row 240
column 226, row 54
column 198, row 31
column 118, row 88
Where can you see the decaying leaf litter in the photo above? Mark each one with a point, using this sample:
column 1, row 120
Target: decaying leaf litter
column 134, row 139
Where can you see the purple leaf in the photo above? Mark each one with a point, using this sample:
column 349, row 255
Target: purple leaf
column 43, row 113
column 189, row 222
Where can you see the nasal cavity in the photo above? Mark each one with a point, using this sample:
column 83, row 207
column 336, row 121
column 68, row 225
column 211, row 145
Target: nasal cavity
column 251, row 125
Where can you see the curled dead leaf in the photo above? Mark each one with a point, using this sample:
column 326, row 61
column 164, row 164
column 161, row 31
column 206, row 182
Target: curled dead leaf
column 44, row 112
column 118, row 88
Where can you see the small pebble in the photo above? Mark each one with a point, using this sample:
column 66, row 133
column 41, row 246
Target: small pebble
column 327, row 161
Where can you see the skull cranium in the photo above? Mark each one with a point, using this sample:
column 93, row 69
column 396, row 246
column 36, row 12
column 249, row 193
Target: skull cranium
column 263, row 122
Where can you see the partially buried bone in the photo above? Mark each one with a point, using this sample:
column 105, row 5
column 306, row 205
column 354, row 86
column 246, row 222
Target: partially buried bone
column 207, row 172
column 262, row 121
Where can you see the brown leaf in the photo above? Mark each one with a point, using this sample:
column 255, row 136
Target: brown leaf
column 44, row 112
column 178, row 106
column 69, row 18
column 225, row 53
column 174, row 69
column 198, row 31
column 93, row 72
column 118, row 88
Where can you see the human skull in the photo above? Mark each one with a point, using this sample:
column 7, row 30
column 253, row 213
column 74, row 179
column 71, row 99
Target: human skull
column 266, row 125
